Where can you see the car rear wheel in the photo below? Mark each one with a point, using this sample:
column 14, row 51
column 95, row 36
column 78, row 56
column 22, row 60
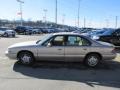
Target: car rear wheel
column 26, row 58
column 92, row 60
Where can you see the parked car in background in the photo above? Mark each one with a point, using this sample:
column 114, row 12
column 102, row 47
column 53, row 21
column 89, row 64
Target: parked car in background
column 49, row 30
column 77, row 31
column 81, row 31
column 23, row 30
column 7, row 32
column 36, row 31
column 44, row 30
column 110, row 36
column 68, row 47
column 94, row 32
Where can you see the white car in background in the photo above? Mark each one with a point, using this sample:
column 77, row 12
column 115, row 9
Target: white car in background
column 7, row 32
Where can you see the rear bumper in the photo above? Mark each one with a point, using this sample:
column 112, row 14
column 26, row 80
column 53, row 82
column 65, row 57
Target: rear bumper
column 109, row 57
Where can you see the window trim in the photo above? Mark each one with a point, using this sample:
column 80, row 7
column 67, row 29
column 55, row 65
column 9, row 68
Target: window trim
column 52, row 39
column 90, row 43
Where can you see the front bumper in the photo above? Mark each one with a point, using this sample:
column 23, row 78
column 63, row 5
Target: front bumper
column 11, row 55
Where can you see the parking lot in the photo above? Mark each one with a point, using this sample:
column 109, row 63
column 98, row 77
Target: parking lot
column 54, row 75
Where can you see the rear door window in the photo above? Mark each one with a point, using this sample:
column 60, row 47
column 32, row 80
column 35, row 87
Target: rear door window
column 77, row 41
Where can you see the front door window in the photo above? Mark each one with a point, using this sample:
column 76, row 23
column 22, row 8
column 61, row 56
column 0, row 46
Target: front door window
column 58, row 41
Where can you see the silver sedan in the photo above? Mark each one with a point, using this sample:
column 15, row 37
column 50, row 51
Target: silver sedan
column 68, row 47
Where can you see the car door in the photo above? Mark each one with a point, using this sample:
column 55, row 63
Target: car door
column 52, row 50
column 76, row 48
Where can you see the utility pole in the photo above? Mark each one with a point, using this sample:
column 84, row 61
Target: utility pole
column 63, row 19
column 21, row 12
column 78, row 12
column 45, row 17
column 116, row 21
column 84, row 22
column 56, row 11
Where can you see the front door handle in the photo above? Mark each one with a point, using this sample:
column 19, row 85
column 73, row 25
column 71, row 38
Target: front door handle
column 85, row 49
column 59, row 49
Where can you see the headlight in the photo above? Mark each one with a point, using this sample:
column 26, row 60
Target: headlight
column 10, row 51
column 95, row 37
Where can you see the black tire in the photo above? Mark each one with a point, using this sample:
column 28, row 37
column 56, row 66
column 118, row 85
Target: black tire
column 30, row 33
column 26, row 33
column 92, row 60
column 13, row 35
column 6, row 35
column 34, row 33
column 26, row 58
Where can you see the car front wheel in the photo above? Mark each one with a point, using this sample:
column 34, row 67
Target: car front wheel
column 92, row 60
column 26, row 58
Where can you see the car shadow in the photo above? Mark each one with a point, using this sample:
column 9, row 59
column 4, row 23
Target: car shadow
column 10, row 37
column 106, row 74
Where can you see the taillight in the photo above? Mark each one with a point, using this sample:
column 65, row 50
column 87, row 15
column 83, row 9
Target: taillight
column 114, row 50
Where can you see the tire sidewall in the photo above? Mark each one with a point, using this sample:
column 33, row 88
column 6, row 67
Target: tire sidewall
column 89, row 56
column 28, row 54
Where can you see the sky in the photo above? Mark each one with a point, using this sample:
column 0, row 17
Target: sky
column 97, row 13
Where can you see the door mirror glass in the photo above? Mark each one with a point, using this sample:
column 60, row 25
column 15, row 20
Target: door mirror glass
column 49, row 45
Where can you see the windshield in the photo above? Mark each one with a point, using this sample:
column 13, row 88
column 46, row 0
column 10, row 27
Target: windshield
column 44, row 38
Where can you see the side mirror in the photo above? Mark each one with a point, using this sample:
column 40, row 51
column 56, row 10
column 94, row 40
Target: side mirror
column 49, row 45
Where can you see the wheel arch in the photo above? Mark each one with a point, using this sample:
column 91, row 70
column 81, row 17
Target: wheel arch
column 25, row 51
column 100, row 55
